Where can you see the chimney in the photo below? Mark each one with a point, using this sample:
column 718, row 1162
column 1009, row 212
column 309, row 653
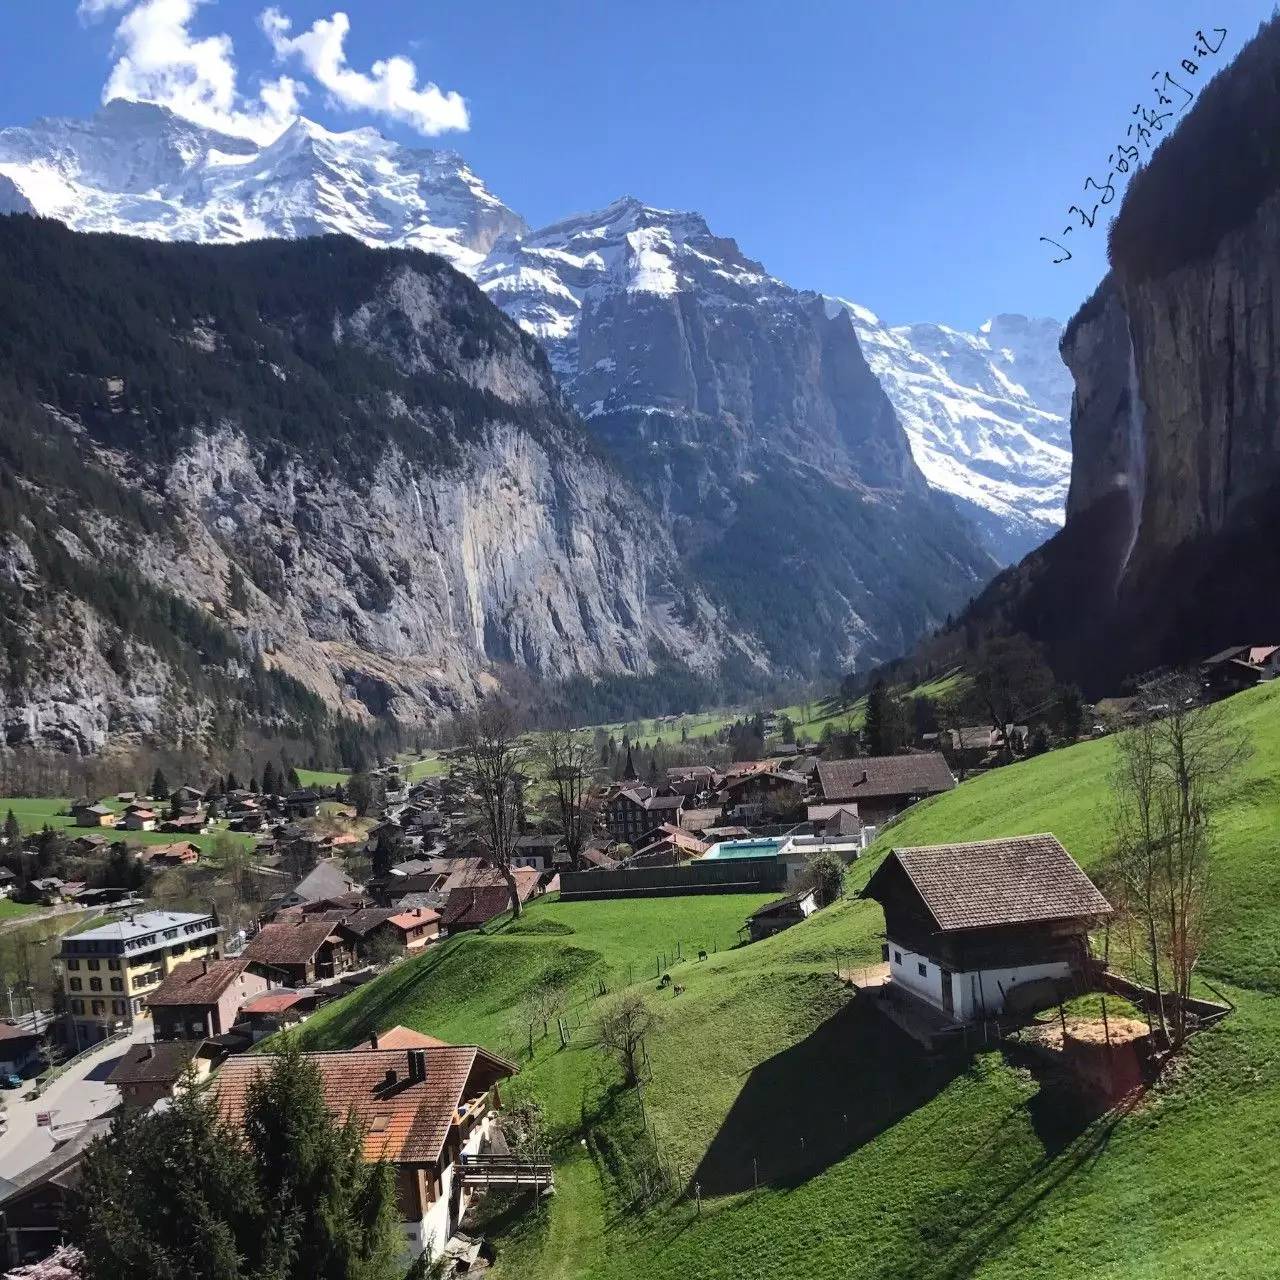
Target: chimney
column 147, row 1054
column 373, row 1041
column 204, row 965
column 866, row 777
column 417, row 1066
column 391, row 1078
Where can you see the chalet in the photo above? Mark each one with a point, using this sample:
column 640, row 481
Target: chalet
column 669, row 847
column 415, row 927
column 184, row 824
column 178, row 853
column 472, row 908
column 882, row 786
column 776, row 791
column 20, row 1044
column 1240, row 667
column 203, row 998
column 697, row 821
column 298, row 952
column 539, row 851
column 634, row 812
column 965, row 923
column 35, row 1206
column 268, row 1013
column 8, row 882
column 139, row 817
column 427, row 1111
column 302, row 804
column 149, row 1072
column 48, row 891
column 327, row 879
column 773, row 917
column 92, row 815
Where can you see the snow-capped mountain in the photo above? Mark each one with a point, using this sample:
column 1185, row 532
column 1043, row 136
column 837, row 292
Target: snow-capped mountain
column 744, row 410
column 988, row 416
column 139, row 169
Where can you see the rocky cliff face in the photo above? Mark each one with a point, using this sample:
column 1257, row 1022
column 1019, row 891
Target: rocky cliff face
column 744, row 408
column 359, row 476
column 1172, row 519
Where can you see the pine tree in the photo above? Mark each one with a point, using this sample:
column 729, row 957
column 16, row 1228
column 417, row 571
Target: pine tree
column 339, row 1210
column 295, row 783
column 233, row 783
column 12, row 831
column 159, row 786
column 629, row 769
column 269, row 787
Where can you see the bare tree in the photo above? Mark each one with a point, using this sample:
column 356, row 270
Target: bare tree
column 1172, row 769
column 566, row 761
column 494, row 768
column 623, row 1027
column 542, row 1001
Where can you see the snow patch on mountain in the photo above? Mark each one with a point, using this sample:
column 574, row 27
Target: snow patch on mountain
column 138, row 169
column 987, row 414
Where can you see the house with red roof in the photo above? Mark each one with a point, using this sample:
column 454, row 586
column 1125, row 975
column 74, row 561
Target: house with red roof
column 428, row 1109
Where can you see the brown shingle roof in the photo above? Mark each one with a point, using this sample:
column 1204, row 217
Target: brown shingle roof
column 475, row 906
column 919, row 775
column 363, row 923
column 290, row 942
column 403, row 1122
column 159, row 1063
column 197, row 982
column 998, row 882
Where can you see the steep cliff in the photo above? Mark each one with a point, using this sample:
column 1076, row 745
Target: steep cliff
column 1171, row 542
column 346, row 466
column 746, row 411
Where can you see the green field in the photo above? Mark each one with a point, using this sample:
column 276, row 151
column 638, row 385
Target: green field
column 825, row 1144
column 36, row 812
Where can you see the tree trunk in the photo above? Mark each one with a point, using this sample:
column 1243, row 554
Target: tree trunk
column 513, row 891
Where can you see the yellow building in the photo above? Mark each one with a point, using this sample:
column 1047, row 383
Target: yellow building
column 107, row 972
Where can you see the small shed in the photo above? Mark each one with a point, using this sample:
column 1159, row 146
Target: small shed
column 773, row 917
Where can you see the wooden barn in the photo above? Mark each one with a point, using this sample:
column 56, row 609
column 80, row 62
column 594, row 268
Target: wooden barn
column 967, row 923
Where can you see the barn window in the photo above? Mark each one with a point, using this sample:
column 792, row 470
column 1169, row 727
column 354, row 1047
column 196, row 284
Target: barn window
column 897, row 957
column 922, row 969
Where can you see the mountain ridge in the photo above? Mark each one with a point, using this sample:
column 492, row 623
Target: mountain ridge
column 180, row 181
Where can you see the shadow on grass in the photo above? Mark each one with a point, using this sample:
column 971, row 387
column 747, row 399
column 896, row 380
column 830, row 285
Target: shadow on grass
column 810, row 1106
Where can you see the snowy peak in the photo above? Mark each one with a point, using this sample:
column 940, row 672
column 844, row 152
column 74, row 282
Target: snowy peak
column 139, row 169
column 987, row 415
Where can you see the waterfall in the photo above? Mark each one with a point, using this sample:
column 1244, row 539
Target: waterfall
column 1134, row 477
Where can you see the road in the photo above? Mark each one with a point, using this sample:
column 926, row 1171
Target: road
column 78, row 1095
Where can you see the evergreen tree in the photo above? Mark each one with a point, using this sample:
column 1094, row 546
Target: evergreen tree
column 338, row 1210
column 136, row 1218
column 159, row 786
column 233, row 783
column 253, row 785
column 12, row 831
column 295, row 783
column 269, row 786
column 629, row 769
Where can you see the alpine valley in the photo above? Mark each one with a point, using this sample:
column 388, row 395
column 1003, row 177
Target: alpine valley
column 331, row 479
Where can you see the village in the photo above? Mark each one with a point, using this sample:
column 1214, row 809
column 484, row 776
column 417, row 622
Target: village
column 334, row 885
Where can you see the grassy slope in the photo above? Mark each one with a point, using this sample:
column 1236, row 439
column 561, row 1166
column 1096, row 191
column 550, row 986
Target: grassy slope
column 875, row 1162
column 35, row 812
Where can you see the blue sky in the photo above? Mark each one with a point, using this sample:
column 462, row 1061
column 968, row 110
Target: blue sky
column 906, row 154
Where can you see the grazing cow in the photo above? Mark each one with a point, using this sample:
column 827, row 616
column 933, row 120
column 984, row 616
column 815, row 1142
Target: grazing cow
column 702, row 955
column 678, row 990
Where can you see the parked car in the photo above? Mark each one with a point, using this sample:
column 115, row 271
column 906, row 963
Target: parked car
column 10, row 1082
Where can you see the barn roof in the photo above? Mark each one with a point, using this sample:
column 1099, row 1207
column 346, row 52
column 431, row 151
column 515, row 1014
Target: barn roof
column 1014, row 880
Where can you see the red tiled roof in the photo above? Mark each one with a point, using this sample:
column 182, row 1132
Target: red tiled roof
column 997, row 882
column 406, row 1038
column 403, row 1121
column 925, row 774
column 197, row 982
column 272, row 1002
column 415, row 918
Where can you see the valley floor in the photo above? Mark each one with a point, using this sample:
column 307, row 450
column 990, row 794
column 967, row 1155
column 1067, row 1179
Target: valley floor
column 823, row 1142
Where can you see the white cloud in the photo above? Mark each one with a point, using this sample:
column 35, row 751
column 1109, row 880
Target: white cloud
column 159, row 60
column 390, row 87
